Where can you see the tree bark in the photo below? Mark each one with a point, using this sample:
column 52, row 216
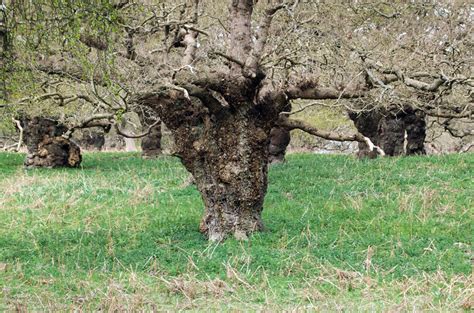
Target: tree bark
column 279, row 141
column 46, row 146
column 391, row 134
column 230, row 170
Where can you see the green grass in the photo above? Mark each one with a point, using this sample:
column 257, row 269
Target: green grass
column 121, row 233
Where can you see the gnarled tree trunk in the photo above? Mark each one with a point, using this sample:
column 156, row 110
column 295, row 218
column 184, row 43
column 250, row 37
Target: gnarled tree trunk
column 233, row 187
column 221, row 121
column 389, row 129
column 228, row 158
column 46, row 145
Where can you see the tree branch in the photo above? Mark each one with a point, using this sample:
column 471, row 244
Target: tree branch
column 312, row 91
column 97, row 120
column 133, row 136
column 255, row 57
column 291, row 124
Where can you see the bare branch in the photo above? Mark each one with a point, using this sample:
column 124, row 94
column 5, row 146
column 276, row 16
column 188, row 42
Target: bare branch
column 291, row 124
column 262, row 37
column 133, row 136
column 312, row 104
column 227, row 57
column 96, row 120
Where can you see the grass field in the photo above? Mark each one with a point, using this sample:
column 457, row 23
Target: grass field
column 120, row 233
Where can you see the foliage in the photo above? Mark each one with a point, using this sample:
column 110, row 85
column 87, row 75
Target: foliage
column 353, row 235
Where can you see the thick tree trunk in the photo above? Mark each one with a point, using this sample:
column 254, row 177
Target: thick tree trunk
column 46, row 146
column 230, row 170
column 415, row 126
column 387, row 129
column 151, row 143
column 228, row 158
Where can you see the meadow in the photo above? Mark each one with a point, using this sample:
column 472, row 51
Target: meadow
column 121, row 233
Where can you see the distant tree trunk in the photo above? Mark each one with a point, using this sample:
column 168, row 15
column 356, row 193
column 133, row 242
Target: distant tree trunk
column 151, row 143
column 46, row 146
column 279, row 141
column 415, row 126
column 391, row 135
column 387, row 129
column 130, row 145
column 367, row 123
column 92, row 139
